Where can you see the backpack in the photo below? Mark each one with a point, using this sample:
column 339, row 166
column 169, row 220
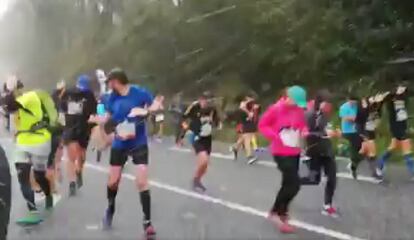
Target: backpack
column 50, row 115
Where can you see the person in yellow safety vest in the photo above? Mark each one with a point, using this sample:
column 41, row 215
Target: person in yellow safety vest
column 33, row 145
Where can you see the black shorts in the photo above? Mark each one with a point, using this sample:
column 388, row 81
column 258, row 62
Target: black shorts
column 139, row 156
column 79, row 136
column 399, row 133
column 203, row 145
column 370, row 135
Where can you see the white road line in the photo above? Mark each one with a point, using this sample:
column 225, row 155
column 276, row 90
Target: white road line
column 360, row 177
column 233, row 206
column 272, row 164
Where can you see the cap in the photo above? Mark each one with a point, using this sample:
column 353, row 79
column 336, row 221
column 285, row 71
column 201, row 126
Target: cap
column 298, row 95
column 117, row 73
column 83, row 83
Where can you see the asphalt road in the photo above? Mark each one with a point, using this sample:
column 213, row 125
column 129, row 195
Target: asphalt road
column 234, row 206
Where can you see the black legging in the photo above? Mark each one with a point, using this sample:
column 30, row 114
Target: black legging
column 23, row 176
column 329, row 166
column 289, row 167
column 355, row 142
column 5, row 194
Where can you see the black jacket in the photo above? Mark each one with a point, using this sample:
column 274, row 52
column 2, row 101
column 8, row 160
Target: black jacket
column 317, row 142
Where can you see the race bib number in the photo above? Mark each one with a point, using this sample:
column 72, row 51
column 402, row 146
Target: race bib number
column 402, row 115
column 206, row 130
column 159, row 117
column 290, row 137
column 126, row 129
column 370, row 126
column 75, row 108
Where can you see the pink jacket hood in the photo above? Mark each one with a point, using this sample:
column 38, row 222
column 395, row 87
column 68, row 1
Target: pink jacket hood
column 284, row 125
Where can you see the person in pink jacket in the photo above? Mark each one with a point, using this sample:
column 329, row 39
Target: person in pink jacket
column 284, row 125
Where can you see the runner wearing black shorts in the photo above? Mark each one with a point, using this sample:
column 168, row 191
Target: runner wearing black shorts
column 368, row 118
column 398, row 120
column 127, row 109
column 202, row 119
column 78, row 104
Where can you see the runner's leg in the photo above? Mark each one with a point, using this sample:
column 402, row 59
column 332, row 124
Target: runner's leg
column 23, row 171
column 314, row 177
column 117, row 160
column 387, row 155
column 289, row 167
column 73, row 155
column 408, row 156
column 330, row 169
column 140, row 159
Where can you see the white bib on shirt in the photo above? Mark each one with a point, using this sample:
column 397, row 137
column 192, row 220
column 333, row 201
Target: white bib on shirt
column 75, row 108
column 290, row 137
column 126, row 129
column 159, row 117
column 370, row 125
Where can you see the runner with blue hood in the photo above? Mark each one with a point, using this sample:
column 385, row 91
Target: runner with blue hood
column 78, row 104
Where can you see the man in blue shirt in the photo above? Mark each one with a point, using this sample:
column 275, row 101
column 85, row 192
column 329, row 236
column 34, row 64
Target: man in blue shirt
column 127, row 108
column 348, row 113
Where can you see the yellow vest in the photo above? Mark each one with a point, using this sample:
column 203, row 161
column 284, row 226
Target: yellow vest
column 26, row 120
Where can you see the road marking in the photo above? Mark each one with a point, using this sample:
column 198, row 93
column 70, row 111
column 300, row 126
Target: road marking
column 360, row 177
column 234, row 206
column 343, row 175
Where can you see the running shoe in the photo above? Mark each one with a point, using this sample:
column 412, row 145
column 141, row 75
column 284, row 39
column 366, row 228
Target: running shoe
column 378, row 177
column 49, row 202
column 283, row 218
column 281, row 223
column 329, row 210
column 379, row 172
column 252, row 159
column 107, row 220
column 32, row 218
column 79, row 180
column 198, row 186
column 72, row 189
column 149, row 229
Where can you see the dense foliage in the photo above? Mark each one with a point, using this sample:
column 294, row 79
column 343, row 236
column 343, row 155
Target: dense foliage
column 226, row 45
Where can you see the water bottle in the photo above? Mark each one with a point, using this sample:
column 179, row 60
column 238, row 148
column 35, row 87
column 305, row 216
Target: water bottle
column 100, row 109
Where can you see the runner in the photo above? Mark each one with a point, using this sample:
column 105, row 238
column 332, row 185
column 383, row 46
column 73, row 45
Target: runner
column 245, row 128
column 202, row 119
column 78, row 104
column 56, row 154
column 320, row 150
column 367, row 121
column 177, row 111
column 158, row 117
column 398, row 121
column 284, row 124
column 348, row 114
column 33, row 143
column 127, row 107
